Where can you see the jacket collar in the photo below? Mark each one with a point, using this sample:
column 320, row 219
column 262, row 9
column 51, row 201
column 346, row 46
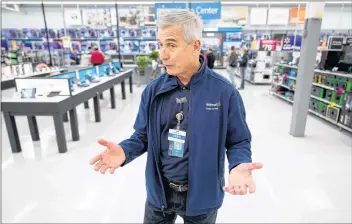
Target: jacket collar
column 171, row 81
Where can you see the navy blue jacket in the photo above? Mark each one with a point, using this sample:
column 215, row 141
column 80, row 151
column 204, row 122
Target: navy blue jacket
column 216, row 126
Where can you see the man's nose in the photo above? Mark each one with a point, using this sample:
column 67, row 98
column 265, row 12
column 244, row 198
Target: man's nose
column 163, row 55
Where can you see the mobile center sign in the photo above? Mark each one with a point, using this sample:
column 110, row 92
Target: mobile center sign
column 206, row 10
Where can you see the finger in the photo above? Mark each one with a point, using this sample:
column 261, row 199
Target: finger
column 112, row 170
column 105, row 143
column 254, row 166
column 237, row 190
column 95, row 159
column 103, row 169
column 231, row 190
column 252, row 187
column 243, row 190
column 228, row 190
column 98, row 165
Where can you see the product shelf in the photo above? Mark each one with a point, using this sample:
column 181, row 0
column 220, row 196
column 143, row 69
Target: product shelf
column 342, row 126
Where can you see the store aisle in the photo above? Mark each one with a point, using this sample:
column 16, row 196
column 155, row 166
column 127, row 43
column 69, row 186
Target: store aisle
column 303, row 179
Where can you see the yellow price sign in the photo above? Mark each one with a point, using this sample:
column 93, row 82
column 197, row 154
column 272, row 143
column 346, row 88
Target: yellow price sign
column 66, row 42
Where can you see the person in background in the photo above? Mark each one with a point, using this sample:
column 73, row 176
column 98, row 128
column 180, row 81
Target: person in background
column 243, row 66
column 210, row 58
column 202, row 52
column 97, row 58
column 203, row 120
column 75, row 57
column 232, row 64
column 89, row 50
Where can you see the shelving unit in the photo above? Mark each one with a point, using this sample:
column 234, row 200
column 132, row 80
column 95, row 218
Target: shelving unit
column 313, row 112
column 330, row 85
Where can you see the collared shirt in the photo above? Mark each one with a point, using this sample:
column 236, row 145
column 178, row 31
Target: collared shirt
column 175, row 169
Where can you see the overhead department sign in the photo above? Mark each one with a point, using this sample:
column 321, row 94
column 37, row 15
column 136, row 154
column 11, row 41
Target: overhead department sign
column 207, row 10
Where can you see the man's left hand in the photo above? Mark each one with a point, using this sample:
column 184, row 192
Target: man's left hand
column 240, row 179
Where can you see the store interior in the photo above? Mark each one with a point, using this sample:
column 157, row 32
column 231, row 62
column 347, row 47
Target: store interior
column 56, row 103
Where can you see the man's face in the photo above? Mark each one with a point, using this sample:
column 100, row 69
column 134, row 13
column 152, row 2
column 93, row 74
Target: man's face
column 176, row 55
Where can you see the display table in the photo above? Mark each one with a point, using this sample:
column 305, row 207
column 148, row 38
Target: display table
column 56, row 107
column 10, row 83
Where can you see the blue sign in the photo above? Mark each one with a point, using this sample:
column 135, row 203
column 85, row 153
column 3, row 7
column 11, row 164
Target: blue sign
column 206, row 10
column 158, row 6
column 289, row 45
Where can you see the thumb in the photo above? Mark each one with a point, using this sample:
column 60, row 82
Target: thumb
column 106, row 143
column 254, row 166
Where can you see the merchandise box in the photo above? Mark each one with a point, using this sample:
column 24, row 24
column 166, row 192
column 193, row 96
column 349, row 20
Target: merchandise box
column 148, row 46
column 9, row 33
column 88, row 33
column 107, row 33
column 128, row 33
column 71, row 32
column 51, row 33
column 129, row 46
column 333, row 113
column 149, row 33
column 31, row 33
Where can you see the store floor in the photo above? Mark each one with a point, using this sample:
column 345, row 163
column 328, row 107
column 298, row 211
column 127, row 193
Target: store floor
column 303, row 179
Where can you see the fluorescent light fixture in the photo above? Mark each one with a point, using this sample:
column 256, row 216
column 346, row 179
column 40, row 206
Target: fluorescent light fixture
column 262, row 3
column 210, row 34
column 210, row 29
column 350, row 2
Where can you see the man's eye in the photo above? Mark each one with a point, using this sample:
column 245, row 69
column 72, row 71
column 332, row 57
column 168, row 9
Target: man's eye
column 171, row 45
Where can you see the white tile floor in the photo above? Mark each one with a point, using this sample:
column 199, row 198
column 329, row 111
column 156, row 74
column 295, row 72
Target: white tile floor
column 303, row 179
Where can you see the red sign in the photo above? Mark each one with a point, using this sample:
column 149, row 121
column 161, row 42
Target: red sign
column 267, row 45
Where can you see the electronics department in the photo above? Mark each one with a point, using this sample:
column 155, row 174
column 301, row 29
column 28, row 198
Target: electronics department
column 93, row 82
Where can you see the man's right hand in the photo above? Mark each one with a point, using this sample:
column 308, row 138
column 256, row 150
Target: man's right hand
column 112, row 158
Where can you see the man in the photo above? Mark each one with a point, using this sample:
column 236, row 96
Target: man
column 74, row 57
column 243, row 66
column 188, row 119
column 232, row 64
column 97, row 58
column 210, row 58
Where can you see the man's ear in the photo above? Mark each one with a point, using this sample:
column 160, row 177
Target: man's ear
column 196, row 46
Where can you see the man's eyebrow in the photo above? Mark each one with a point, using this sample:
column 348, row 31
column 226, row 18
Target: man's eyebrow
column 168, row 40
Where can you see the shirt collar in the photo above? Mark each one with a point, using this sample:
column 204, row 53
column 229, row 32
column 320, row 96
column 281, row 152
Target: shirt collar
column 172, row 80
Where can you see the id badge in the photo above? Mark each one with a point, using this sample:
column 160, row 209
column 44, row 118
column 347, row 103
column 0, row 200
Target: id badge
column 177, row 139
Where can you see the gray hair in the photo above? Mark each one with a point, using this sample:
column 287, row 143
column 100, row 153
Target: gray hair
column 190, row 23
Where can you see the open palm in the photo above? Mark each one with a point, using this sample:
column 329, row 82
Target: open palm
column 241, row 180
column 112, row 158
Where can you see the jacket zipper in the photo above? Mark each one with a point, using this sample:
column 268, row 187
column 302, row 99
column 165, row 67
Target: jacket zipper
column 156, row 156
column 189, row 145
